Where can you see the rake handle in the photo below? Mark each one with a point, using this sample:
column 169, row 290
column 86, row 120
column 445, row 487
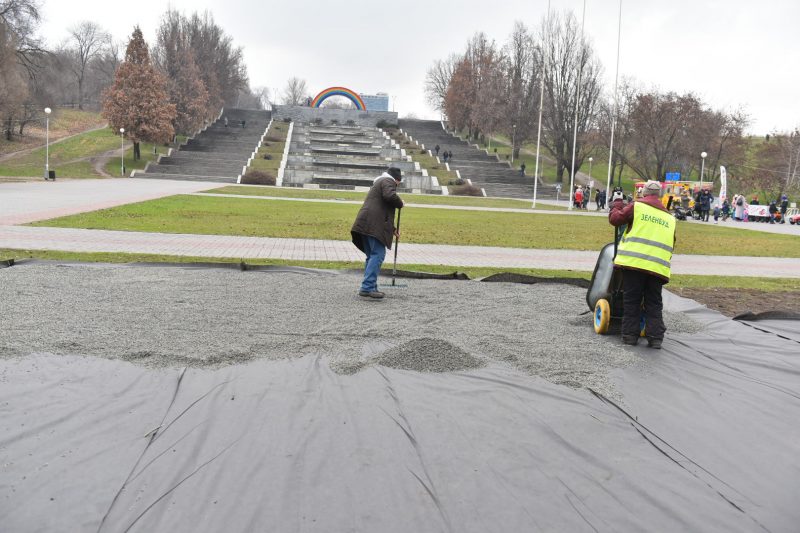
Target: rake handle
column 396, row 244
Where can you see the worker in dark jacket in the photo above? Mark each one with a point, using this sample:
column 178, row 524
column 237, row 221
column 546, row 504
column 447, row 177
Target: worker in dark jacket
column 784, row 207
column 374, row 227
column 644, row 255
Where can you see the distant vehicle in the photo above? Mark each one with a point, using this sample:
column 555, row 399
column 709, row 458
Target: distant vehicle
column 671, row 192
column 794, row 219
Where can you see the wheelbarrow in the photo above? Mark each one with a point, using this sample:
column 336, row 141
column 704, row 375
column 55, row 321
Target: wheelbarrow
column 605, row 294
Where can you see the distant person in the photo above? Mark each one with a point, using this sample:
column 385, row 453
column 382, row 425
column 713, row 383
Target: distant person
column 784, row 207
column 225, row 120
column 578, row 197
column 587, row 192
column 725, row 210
column 717, row 212
column 444, row 156
column 597, row 199
column 436, row 149
column 522, row 170
column 755, row 201
column 243, row 124
column 601, row 199
column 373, row 228
column 644, row 255
column 705, row 200
column 450, row 156
column 738, row 207
column 773, row 211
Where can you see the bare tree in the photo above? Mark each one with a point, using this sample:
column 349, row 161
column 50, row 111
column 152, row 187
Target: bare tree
column 626, row 96
column 263, row 95
column 87, row 41
column 295, row 92
column 438, row 79
column 523, row 70
column 221, row 63
column 472, row 77
column 13, row 85
column 250, row 99
column 778, row 163
column 661, row 132
column 21, row 20
column 460, row 97
column 338, row 102
column 566, row 58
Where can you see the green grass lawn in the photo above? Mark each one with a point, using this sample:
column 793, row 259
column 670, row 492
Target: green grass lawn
column 64, row 156
column 113, row 166
column 70, row 158
column 683, row 281
column 411, row 199
column 277, row 218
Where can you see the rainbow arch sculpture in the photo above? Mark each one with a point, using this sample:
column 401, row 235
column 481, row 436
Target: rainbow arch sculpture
column 339, row 91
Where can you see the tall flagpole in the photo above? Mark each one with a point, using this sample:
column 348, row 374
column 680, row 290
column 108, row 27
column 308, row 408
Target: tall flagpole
column 575, row 132
column 616, row 104
column 541, row 106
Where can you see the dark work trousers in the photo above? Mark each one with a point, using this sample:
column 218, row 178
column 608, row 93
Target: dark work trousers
column 641, row 287
column 704, row 215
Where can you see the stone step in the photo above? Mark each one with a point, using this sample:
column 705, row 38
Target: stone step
column 187, row 177
column 310, row 172
column 197, row 169
column 182, row 157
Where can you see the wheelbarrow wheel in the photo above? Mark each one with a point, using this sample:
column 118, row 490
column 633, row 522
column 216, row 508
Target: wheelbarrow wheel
column 602, row 316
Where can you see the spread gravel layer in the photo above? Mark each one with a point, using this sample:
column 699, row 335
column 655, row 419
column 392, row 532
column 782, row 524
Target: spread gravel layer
column 162, row 316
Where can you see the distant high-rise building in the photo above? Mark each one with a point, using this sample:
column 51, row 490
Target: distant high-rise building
column 376, row 102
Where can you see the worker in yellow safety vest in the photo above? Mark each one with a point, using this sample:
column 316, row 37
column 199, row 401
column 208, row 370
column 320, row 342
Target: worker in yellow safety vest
column 644, row 254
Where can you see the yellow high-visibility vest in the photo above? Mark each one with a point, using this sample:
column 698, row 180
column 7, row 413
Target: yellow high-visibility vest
column 648, row 245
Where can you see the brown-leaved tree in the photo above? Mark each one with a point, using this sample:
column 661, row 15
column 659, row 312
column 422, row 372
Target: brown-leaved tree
column 138, row 99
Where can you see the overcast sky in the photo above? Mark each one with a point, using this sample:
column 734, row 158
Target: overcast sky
column 732, row 53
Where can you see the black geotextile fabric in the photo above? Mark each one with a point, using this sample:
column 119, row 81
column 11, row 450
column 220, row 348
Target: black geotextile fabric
column 704, row 438
column 513, row 277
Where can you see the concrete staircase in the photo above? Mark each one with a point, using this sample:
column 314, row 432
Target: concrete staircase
column 497, row 178
column 348, row 158
column 217, row 154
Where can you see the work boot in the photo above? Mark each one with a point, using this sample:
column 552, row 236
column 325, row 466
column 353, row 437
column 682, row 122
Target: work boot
column 377, row 295
column 630, row 340
column 654, row 343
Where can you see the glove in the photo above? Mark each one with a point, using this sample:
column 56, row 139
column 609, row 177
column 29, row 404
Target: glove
column 618, row 195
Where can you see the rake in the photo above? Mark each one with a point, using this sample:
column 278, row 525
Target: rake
column 394, row 284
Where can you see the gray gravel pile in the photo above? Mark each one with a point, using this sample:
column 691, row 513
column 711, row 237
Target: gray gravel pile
column 421, row 355
column 159, row 316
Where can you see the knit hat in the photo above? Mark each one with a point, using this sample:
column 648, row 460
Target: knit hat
column 395, row 173
column 651, row 188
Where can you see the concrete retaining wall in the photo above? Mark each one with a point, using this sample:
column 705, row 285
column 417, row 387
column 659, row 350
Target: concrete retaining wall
column 310, row 114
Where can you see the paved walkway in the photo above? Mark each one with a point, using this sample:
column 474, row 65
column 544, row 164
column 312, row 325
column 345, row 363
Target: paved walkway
column 21, row 203
column 82, row 240
column 27, row 202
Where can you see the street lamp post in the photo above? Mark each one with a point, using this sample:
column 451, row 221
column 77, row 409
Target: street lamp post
column 47, row 112
column 702, row 167
column 122, row 151
column 513, row 140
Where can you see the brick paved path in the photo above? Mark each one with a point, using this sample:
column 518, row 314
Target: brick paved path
column 82, row 240
column 26, row 202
